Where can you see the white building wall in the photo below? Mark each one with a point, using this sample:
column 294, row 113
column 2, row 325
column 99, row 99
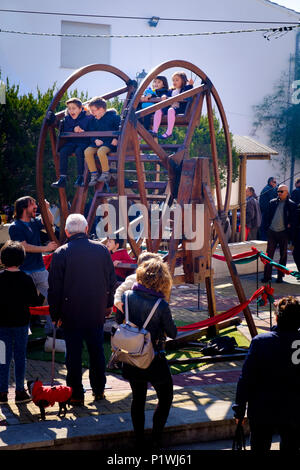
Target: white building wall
column 243, row 67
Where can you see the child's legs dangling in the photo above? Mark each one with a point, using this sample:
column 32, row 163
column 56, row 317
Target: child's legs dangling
column 157, row 120
column 89, row 158
column 102, row 154
column 6, row 344
column 171, row 120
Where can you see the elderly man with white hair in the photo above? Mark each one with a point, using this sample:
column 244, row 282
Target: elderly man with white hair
column 81, row 289
column 281, row 224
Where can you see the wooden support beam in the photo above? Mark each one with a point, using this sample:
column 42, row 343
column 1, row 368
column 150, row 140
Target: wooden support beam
column 231, row 266
column 242, row 196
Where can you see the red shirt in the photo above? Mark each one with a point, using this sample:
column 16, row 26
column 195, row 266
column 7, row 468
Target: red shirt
column 123, row 256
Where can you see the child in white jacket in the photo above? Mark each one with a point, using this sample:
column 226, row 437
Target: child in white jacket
column 130, row 280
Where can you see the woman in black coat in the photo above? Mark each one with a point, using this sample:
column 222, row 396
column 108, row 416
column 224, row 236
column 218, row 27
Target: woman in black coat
column 153, row 281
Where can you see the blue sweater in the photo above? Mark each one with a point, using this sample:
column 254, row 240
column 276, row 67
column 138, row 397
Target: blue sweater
column 109, row 122
column 69, row 125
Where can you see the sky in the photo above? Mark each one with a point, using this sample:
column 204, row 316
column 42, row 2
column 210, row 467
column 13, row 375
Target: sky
column 293, row 4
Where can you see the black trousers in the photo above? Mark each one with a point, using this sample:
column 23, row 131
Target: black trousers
column 261, row 436
column 164, row 391
column 93, row 338
column 276, row 239
column 67, row 150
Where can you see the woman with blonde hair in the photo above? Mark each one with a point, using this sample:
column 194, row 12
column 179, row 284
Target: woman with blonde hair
column 153, row 281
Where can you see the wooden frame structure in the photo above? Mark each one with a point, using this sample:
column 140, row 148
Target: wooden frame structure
column 187, row 181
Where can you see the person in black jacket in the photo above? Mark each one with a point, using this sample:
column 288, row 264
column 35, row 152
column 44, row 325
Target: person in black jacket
column 153, row 281
column 81, row 290
column 17, row 293
column 103, row 120
column 281, row 225
column 267, row 194
column 270, row 382
column 295, row 196
column 76, row 120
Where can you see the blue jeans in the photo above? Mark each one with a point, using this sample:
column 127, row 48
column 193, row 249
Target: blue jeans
column 93, row 338
column 15, row 340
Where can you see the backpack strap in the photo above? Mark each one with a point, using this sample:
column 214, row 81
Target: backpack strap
column 153, row 310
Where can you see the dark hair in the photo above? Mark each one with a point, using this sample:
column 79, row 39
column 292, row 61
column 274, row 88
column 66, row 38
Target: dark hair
column 297, row 181
column 252, row 190
column 12, row 254
column 163, row 79
column 120, row 241
column 270, row 179
column 21, row 204
column 183, row 77
column 98, row 102
column 288, row 313
column 76, row 101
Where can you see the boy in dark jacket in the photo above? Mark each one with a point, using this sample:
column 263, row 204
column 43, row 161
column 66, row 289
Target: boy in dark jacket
column 76, row 120
column 103, row 120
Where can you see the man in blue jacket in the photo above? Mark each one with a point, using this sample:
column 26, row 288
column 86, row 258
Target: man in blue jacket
column 76, row 120
column 270, row 382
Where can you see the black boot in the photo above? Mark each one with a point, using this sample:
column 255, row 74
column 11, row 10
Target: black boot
column 79, row 181
column 61, row 183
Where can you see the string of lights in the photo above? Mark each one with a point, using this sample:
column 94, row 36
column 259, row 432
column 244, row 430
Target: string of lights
column 283, row 29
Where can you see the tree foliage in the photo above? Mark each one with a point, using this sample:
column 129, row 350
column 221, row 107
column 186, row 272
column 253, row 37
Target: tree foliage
column 279, row 115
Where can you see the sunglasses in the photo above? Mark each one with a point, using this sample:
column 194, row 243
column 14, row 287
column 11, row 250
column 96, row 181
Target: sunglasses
column 280, row 191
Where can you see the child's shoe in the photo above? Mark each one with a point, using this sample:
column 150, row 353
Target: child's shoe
column 3, row 398
column 104, row 177
column 165, row 136
column 61, row 183
column 94, row 178
column 79, row 182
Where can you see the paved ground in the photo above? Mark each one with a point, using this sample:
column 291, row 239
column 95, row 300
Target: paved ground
column 202, row 397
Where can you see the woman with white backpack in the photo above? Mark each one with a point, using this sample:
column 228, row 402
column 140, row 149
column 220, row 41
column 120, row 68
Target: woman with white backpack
column 154, row 282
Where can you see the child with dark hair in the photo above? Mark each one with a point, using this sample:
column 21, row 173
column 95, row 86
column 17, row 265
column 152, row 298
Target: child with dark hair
column 17, row 292
column 117, row 248
column 180, row 84
column 102, row 120
column 75, row 120
column 159, row 88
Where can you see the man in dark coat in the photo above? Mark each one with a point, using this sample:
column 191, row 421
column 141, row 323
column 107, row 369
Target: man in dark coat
column 281, row 225
column 267, row 193
column 270, row 382
column 81, row 289
column 295, row 196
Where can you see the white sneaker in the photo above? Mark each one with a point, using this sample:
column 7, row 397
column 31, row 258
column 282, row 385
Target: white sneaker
column 104, row 177
column 94, row 179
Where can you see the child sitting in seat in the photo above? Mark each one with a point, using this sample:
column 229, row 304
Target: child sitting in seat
column 119, row 254
column 103, row 120
column 131, row 279
column 158, row 89
column 180, row 84
column 75, row 120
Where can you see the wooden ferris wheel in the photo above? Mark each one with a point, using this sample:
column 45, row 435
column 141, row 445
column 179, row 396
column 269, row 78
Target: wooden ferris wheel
column 154, row 175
